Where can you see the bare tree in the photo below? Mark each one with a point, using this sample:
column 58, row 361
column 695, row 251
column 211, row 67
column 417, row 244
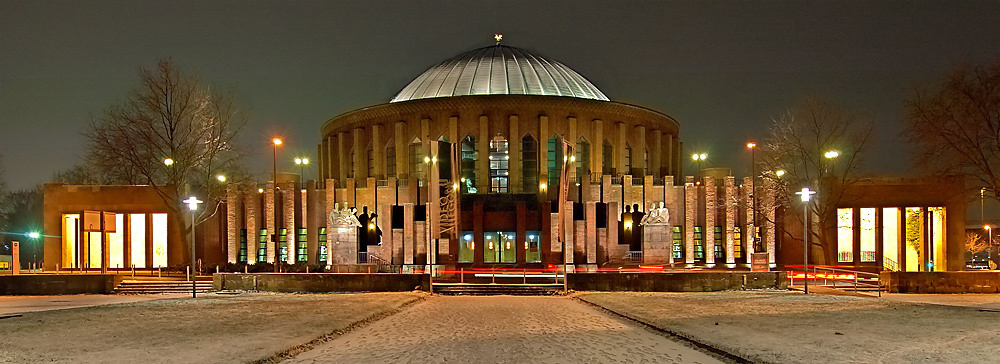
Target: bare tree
column 798, row 144
column 955, row 126
column 974, row 243
column 169, row 115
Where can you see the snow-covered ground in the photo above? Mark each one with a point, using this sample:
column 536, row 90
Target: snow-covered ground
column 789, row 327
column 502, row 329
column 210, row 329
column 21, row 304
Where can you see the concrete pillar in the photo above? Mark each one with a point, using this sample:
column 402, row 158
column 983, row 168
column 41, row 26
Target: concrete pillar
column 656, row 154
column 251, row 209
column 669, row 143
column 748, row 230
column 514, row 182
column 620, row 144
column 597, row 147
column 234, row 221
column 708, row 232
column 483, row 163
column 730, row 200
column 591, row 235
column 639, row 154
column 378, row 151
column 269, row 215
column 402, row 151
column 690, row 218
column 408, row 234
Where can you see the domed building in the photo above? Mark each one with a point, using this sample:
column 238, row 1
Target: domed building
column 497, row 156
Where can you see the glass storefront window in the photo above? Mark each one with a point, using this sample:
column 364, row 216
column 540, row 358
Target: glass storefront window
column 137, row 239
column 466, row 248
column 262, row 245
column 159, row 240
column 699, row 243
column 678, row 247
column 914, row 238
column 867, row 234
column 533, row 247
column 70, row 253
column 937, row 219
column 322, row 245
column 845, row 235
column 890, row 238
column 116, row 244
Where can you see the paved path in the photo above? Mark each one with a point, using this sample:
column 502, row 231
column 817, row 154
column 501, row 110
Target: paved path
column 985, row 301
column 502, row 329
column 20, row 304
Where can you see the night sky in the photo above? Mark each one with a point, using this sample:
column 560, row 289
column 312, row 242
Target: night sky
column 722, row 69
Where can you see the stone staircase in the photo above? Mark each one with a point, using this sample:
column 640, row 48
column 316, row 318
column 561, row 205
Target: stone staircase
column 496, row 289
column 153, row 287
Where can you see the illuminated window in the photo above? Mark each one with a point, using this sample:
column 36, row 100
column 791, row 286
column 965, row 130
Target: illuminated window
column 159, row 240
column 737, row 243
column 93, row 249
column 720, row 253
column 301, row 246
column 867, row 235
column 116, row 244
column 137, row 239
column 533, row 247
column 491, row 248
column 71, row 255
column 554, row 158
column 937, row 236
column 469, row 158
column 845, row 235
column 890, row 238
column 699, row 243
column 262, row 245
column 499, row 165
column 582, row 159
column 529, row 164
column 466, row 247
column 242, row 257
column 322, row 245
column 283, row 244
column 678, row 247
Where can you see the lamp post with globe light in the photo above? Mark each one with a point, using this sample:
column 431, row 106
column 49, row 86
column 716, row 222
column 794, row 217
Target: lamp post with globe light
column 302, row 163
column 805, row 194
column 274, row 234
column 192, row 203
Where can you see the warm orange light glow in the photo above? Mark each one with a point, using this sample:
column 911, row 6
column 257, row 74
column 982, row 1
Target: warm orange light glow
column 987, row 227
column 751, row 145
column 276, row 141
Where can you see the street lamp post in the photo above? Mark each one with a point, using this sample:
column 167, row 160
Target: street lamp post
column 192, row 203
column 758, row 247
column 805, row 195
column 699, row 158
column 302, row 163
column 831, row 155
column 989, row 250
column 274, row 164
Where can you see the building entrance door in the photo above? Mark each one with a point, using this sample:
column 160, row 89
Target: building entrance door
column 500, row 247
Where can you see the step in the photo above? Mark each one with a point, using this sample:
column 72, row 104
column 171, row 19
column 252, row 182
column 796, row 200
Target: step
column 489, row 290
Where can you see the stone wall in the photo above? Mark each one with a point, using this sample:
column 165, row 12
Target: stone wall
column 941, row 282
column 320, row 282
column 677, row 282
column 48, row 284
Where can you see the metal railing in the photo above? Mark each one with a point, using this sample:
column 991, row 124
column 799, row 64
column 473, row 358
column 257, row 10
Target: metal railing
column 836, row 278
column 657, row 181
column 616, row 180
column 382, row 183
column 634, row 256
column 362, row 257
column 637, row 181
column 889, row 264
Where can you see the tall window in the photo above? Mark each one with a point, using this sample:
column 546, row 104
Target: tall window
column 737, row 243
column 262, row 245
column 582, row 159
column 469, row 157
column 283, row 244
column 301, row 246
column 529, row 163
column 322, row 245
column 499, row 164
column 628, row 160
column 554, row 155
column 699, row 243
column 242, row 257
column 845, row 235
column 371, row 163
column 390, row 161
column 678, row 246
column 416, row 159
column 607, row 158
column 719, row 251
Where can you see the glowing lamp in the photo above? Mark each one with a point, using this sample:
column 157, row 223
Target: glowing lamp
column 192, row 203
column 260, row 190
column 221, row 178
column 34, row 235
column 779, row 173
column 751, row 145
column 805, row 194
column 831, row 154
column 168, row 161
column 427, row 159
column 276, row 141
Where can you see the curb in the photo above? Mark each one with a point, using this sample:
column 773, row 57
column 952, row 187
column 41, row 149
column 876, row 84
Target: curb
column 712, row 350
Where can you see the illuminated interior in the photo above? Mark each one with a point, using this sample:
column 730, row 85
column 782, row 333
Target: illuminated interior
column 914, row 240
column 116, row 244
column 845, row 235
column 137, row 240
column 890, row 238
column 94, row 249
column 533, row 247
column 70, row 255
column 466, row 248
column 159, row 240
column 937, row 216
column 867, row 235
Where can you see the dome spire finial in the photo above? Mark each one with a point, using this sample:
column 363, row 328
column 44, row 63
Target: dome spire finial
column 498, row 38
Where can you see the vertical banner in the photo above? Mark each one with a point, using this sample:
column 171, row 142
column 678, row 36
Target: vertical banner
column 15, row 257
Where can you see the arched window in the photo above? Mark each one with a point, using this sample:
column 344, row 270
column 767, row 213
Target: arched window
column 628, row 160
column 499, row 165
column 529, row 164
column 469, row 157
column 582, row 159
column 416, row 159
column 555, row 156
column 390, row 160
column 608, row 159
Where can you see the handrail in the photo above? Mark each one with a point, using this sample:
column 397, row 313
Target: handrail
column 839, row 274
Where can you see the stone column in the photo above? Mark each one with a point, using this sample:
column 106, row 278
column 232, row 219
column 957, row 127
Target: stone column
column 591, row 235
column 730, row 199
column 234, row 222
column 269, row 216
column 289, row 194
column 690, row 218
column 708, row 232
column 748, row 230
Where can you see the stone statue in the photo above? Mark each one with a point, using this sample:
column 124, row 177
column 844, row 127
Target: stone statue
column 657, row 215
column 344, row 218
